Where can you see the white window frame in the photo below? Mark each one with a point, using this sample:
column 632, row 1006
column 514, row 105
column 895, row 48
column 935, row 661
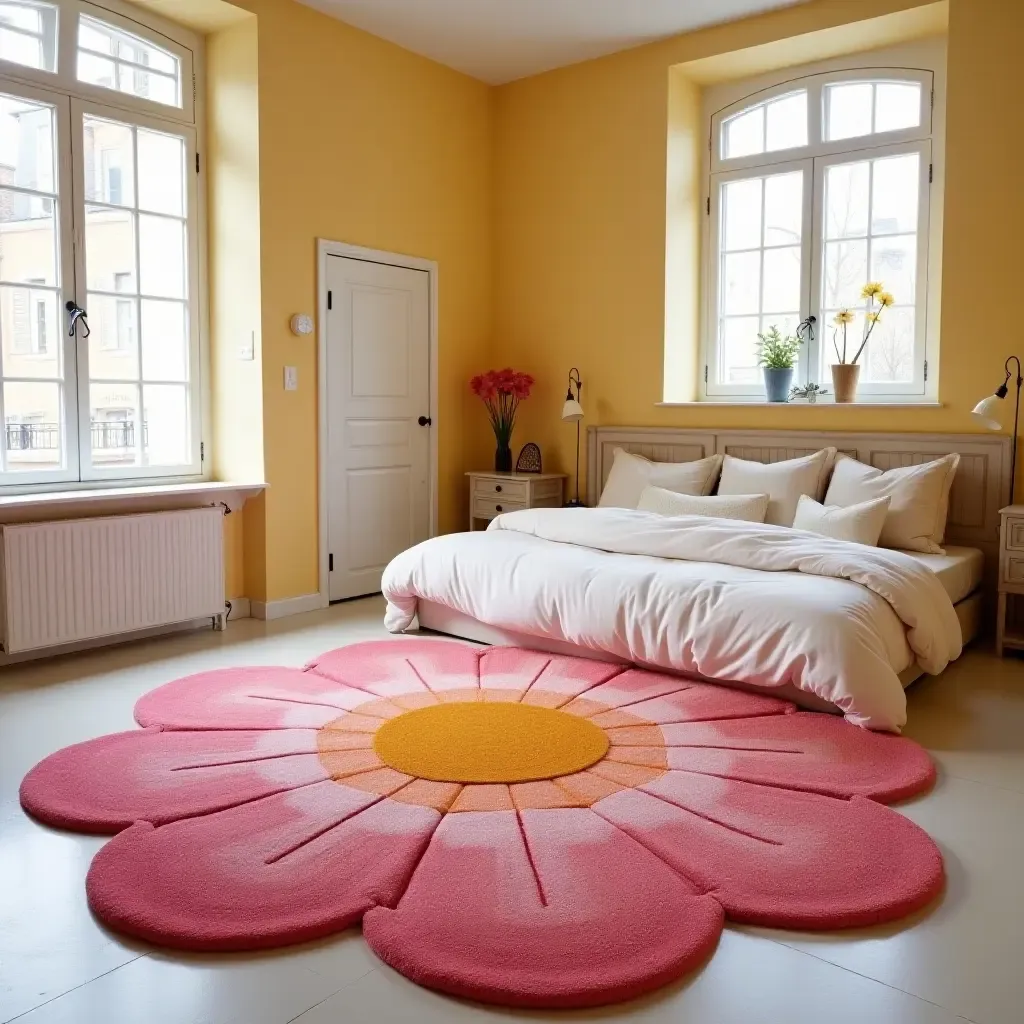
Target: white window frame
column 814, row 158
column 71, row 98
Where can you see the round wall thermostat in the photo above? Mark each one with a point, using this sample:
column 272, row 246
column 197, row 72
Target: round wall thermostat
column 301, row 324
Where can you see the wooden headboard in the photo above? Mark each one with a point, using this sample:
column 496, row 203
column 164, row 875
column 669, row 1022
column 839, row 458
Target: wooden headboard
column 979, row 489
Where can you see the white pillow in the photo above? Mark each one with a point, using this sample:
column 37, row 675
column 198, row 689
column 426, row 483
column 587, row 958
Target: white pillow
column 783, row 482
column 630, row 474
column 916, row 520
column 748, row 507
column 861, row 523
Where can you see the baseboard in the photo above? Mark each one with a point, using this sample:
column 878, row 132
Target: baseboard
column 269, row 610
column 240, row 608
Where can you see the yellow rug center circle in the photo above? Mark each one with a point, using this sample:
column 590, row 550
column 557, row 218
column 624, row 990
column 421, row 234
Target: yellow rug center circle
column 489, row 742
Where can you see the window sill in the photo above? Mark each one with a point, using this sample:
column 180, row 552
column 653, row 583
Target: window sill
column 735, row 403
column 137, row 498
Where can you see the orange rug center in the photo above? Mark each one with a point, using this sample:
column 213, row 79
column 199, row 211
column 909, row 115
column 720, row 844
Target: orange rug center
column 489, row 742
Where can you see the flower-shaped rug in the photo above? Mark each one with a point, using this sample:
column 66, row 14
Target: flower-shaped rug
column 508, row 825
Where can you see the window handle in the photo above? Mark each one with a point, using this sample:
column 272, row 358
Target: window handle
column 76, row 313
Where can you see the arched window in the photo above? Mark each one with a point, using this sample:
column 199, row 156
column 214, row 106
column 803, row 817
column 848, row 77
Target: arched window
column 818, row 186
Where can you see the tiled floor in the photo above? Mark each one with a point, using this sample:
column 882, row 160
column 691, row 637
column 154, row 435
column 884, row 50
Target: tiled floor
column 958, row 961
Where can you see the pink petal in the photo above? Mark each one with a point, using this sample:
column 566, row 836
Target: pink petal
column 390, row 667
column 105, row 784
column 549, row 908
column 810, row 751
column 248, row 698
column 628, row 688
column 289, row 868
column 565, row 678
column 699, row 702
column 782, row 858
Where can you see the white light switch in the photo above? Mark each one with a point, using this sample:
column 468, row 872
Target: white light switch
column 291, row 378
column 247, row 350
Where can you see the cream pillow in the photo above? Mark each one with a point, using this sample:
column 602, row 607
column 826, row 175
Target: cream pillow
column 919, row 495
column 630, row 474
column 748, row 507
column 861, row 523
column 783, row 482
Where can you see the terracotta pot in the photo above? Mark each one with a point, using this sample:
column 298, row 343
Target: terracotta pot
column 844, row 381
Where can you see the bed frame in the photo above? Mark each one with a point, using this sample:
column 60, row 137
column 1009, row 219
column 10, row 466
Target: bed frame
column 980, row 487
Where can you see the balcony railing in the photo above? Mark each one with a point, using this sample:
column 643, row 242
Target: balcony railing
column 105, row 435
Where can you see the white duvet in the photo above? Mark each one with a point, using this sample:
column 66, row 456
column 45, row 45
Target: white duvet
column 728, row 600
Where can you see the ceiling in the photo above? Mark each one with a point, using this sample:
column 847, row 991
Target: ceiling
column 498, row 41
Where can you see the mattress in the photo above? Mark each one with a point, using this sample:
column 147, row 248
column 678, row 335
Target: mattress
column 959, row 570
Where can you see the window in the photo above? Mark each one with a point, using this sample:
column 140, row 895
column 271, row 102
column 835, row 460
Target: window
column 28, row 34
column 818, row 187
column 98, row 208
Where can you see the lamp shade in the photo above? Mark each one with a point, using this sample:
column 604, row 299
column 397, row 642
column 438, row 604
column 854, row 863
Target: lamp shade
column 572, row 410
column 989, row 411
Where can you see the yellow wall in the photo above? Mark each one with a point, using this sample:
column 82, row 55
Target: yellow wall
column 366, row 143
column 580, row 200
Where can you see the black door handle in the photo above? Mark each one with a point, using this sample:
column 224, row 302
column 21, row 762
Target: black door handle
column 76, row 313
column 424, row 421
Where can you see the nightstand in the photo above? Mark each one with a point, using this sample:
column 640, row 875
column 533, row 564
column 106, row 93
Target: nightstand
column 490, row 494
column 1011, row 573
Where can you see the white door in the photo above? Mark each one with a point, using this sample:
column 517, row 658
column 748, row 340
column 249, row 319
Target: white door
column 378, row 392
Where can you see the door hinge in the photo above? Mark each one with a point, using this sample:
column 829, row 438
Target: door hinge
column 202, row 451
column 329, row 300
column 330, row 563
column 197, row 163
column 709, row 206
column 931, row 173
column 193, row 87
column 926, row 371
column 705, row 373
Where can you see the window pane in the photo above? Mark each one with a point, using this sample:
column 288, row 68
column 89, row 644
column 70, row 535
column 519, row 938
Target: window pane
column 28, row 239
column 166, row 419
column 164, row 341
column 787, row 122
column 849, row 110
column 846, row 200
column 897, row 106
column 738, row 364
column 741, row 283
column 114, row 59
column 846, row 271
column 32, row 415
column 162, row 256
column 889, row 356
column 110, row 249
column 161, row 173
column 894, row 263
column 28, row 34
column 781, row 280
column 26, row 144
column 31, row 332
column 783, row 208
column 894, row 201
column 113, row 424
column 743, row 135
column 741, row 214
column 109, row 165
column 113, row 343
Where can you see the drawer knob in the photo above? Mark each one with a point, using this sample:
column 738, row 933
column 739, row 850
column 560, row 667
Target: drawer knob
column 498, row 488
column 497, row 508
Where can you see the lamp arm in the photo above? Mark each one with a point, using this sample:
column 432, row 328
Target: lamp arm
column 1016, row 423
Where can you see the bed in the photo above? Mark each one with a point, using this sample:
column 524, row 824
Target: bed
column 962, row 575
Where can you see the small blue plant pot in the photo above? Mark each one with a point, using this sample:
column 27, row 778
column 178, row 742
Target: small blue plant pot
column 777, row 383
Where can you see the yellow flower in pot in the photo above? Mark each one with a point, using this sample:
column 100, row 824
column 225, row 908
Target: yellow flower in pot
column 845, row 373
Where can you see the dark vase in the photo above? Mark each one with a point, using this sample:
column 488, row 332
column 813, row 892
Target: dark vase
column 503, row 459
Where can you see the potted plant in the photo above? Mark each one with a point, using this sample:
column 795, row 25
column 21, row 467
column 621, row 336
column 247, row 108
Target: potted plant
column 776, row 353
column 845, row 374
column 501, row 391
column 808, row 393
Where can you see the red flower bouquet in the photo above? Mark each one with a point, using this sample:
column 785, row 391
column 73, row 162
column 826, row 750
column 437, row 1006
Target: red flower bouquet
column 501, row 391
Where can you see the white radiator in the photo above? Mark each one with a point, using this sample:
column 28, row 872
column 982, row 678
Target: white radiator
column 87, row 578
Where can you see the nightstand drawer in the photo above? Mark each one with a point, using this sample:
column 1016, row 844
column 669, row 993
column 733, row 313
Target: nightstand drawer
column 488, row 508
column 501, row 490
column 1013, row 570
column 1014, row 534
